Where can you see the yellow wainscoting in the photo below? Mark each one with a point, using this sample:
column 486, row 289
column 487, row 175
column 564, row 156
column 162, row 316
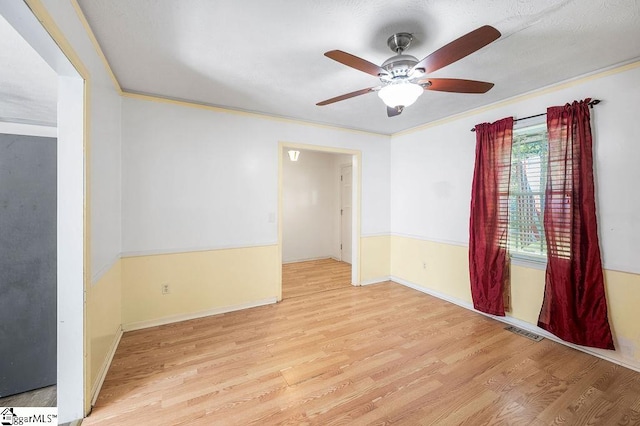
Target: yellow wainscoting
column 443, row 268
column 446, row 273
column 375, row 254
column 199, row 282
column 623, row 299
column 527, row 291
column 104, row 316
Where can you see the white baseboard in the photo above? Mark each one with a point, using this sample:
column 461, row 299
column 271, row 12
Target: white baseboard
column 184, row 317
column 600, row 353
column 95, row 389
column 454, row 300
column 377, row 280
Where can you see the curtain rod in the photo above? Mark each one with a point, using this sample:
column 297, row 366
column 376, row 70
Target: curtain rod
column 591, row 104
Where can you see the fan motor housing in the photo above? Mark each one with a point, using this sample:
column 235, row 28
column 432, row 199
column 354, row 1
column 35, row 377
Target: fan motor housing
column 398, row 66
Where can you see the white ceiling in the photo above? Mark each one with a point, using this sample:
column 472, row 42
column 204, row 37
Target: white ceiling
column 28, row 86
column 267, row 56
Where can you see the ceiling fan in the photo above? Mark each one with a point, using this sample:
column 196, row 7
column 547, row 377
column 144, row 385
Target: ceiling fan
column 404, row 78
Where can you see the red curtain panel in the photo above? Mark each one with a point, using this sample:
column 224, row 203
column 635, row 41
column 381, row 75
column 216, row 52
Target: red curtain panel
column 574, row 306
column 488, row 225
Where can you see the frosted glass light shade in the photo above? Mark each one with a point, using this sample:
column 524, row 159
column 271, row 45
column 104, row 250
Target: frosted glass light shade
column 400, row 94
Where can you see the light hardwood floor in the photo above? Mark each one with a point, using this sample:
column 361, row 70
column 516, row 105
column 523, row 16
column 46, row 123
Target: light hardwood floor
column 313, row 276
column 379, row 354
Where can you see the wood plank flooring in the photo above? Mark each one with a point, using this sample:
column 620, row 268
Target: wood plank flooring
column 44, row 397
column 313, row 276
column 379, row 354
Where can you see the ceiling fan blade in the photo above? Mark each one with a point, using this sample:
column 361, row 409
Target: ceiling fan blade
column 347, row 96
column 456, row 85
column 458, row 49
column 392, row 112
column 354, row 62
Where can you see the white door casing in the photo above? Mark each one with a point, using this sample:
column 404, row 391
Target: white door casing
column 346, row 186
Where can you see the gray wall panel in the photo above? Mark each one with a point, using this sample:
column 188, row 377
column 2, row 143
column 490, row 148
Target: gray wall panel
column 27, row 263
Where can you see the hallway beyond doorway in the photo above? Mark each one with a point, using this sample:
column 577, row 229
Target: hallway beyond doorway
column 314, row 276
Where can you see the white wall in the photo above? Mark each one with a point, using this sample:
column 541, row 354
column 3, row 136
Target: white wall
column 28, row 130
column 432, row 168
column 197, row 178
column 311, row 206
column 106, row 205
column 308, row 206
column 104, row 139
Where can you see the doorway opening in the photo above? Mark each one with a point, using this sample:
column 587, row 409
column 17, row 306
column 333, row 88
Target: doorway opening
column 28, row 139
column 70, row 208
column 319, row 222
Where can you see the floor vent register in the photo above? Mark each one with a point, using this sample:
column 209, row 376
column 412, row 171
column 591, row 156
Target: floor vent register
column 524, row 333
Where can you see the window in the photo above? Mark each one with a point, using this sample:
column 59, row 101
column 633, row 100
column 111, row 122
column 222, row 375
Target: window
column 529, row 154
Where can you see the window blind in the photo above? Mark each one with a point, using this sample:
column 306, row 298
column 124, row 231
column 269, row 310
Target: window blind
column 529, row 158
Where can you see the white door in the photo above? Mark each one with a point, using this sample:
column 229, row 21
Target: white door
column 346, row 179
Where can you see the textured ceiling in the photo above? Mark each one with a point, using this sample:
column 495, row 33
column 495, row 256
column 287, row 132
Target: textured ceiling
column 267, row 56
column 28, row 86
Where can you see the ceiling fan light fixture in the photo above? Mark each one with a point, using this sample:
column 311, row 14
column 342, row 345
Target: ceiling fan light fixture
column 400, row 94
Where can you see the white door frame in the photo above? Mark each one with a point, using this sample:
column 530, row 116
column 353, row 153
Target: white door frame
column 356, row 162
column 342, row 236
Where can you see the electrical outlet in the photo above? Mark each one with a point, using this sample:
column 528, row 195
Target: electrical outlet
column 166, row 289
column 424, row 265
